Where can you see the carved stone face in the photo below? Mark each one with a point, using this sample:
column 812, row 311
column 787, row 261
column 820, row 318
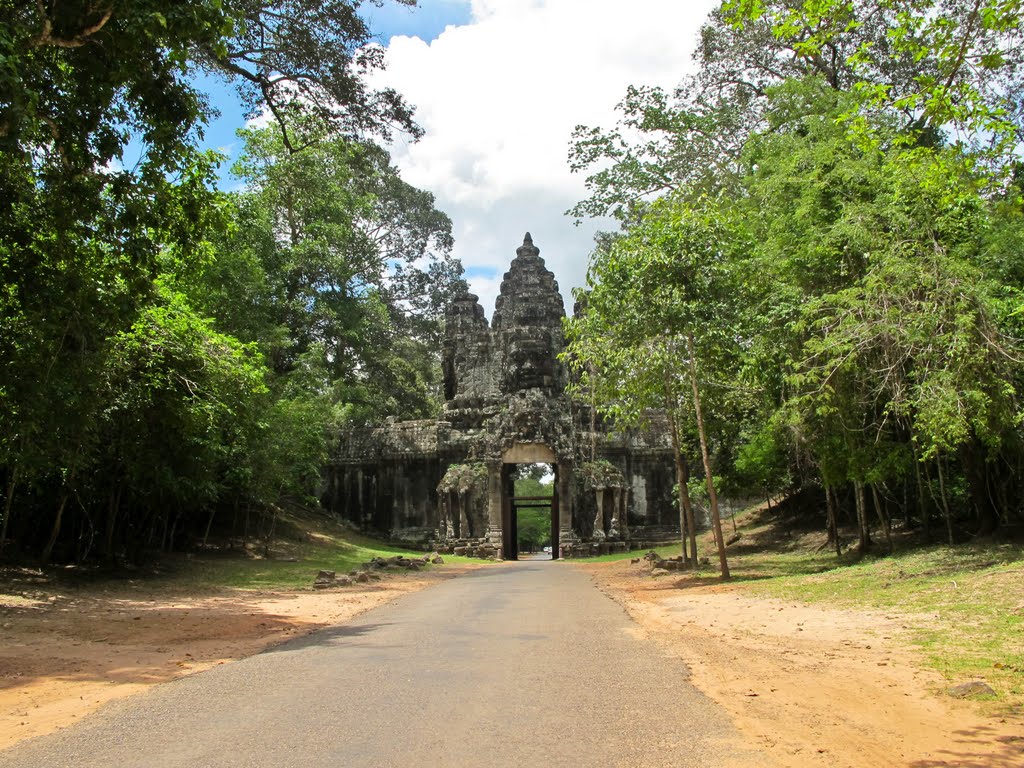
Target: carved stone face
column 529, row 361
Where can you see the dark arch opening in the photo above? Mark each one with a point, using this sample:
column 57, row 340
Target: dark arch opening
column 537, row 490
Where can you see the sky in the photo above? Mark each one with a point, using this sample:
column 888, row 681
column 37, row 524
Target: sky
column 498, row 87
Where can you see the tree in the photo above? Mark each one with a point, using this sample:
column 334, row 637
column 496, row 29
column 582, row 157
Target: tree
column 136, row 302
column 173, row 374
column 69, row 287
column 310, row 54
column 901, row 333
column 940, row 68
column 631, row 380
column 336, row 257
column 957, row 63
column 664, row 293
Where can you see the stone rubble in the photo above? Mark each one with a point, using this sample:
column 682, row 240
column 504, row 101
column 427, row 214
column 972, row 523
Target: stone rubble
column 371, row 570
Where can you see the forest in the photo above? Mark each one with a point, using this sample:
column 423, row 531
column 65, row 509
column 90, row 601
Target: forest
column 174, row 357
column 817, row 272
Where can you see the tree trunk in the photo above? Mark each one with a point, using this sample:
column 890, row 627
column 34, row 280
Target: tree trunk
column 686, row 518
column 691, row 520
column 209, row 524
column 86, row 537
column 832, row 521
column 684, row 496
column 273, row 526
column 926, row 519
column 906, row 504
column 234, row 521
column 163, row 533
column 863, row 532
column 922, row 502
column 716, row 520
column 593, row 413
column 883, row 517
column 945, row 503
column 976, row 471
column 12, row 484
column 174, row 532
column 113, row 511
column 55, row 531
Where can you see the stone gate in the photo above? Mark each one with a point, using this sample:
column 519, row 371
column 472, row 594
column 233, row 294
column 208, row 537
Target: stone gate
column 447, row 483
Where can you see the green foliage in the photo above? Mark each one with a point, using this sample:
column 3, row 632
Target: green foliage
column 895, row 331
column 957, row 62
column 342, row 265
column 845, row 253
column 172, row 374
column 170, row 354
column 533, row 523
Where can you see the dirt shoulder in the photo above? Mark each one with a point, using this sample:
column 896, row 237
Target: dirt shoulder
column 807, row 686
column 65, row 654
column 811, row 686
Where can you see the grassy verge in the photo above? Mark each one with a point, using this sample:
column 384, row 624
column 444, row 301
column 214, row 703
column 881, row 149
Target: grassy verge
column 307, row 544
column 668, row 550
column 964, row 606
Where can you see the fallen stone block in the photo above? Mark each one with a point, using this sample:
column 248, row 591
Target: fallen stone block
column 971, row 688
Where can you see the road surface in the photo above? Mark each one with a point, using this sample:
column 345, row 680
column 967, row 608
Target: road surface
column 522, row 664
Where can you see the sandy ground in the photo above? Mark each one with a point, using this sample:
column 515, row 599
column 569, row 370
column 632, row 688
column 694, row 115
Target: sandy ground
column 807, row 686
column 812, row 686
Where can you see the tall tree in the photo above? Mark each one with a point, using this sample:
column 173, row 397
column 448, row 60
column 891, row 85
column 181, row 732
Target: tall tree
column 342, row 265
column 667, row 284
column 939, row 65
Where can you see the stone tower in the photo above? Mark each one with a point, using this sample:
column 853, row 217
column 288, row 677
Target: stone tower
column 449, row 482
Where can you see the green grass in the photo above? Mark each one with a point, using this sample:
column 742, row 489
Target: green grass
column 276, row 573
column 963, row 606
column 668, row 550
column 307, row 543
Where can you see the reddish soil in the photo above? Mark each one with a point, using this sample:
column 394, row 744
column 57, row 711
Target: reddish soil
column 806, row 686
column 811, row 686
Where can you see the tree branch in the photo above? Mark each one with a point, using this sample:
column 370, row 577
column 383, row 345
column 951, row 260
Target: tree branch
column 46, row 37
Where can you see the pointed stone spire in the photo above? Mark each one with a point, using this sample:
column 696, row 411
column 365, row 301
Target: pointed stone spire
column 528, row 248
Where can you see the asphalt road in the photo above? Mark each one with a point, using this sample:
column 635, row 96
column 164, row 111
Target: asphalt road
column 524, row 664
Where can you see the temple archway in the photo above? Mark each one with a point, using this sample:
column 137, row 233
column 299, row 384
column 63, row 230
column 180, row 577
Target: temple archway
column 448, row 483
column 517, row 503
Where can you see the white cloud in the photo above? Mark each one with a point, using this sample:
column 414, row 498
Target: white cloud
column 499, row 98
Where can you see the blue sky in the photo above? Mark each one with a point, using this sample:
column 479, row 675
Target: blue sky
column 426, row 21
